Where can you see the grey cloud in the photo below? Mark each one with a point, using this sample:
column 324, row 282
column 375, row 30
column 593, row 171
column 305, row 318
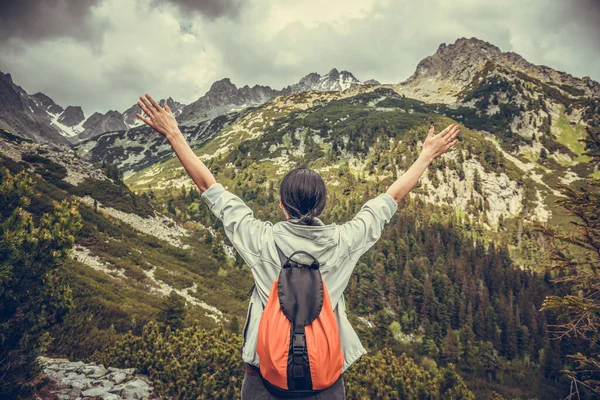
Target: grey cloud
column 208, row 8
column 43, row 19
column 393, row 37
column 588, row 12
column 384, row 42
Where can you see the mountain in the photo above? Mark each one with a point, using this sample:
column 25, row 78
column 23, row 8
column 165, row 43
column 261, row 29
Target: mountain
column 40, row 118
column 332, row 81
column 528, row 120
column 224, row 96
column 72, row 116
column 132, row 121
column 444, row 76
column 113, row 121
column 99, row 123
column 137, row 146
column 26, row 115
column 46, row 104
column 68, row 122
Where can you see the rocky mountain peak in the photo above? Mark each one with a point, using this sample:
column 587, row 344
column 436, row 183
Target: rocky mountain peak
column 73, row 115
column 6, row 77
column 309, row 80
column 95, row 117
column 334, row 73
column 443, row 75
column 222, row 97
column 470, row 45
column 222, row 86
column 334, row 80
column 46, row 103
column 98, row 124
column 21, row 114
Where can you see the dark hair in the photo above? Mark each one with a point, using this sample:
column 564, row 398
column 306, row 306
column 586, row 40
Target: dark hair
column 303, row 195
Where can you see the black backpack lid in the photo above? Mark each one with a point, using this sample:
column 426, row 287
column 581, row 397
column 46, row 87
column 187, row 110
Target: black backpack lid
column 300, row 289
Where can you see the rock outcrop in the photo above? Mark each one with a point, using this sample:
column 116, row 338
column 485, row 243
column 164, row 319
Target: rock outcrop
column 98, row 124
column 78, row 380
column 72, row 116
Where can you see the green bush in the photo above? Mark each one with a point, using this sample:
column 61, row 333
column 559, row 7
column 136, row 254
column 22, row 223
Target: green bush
column 194, row 363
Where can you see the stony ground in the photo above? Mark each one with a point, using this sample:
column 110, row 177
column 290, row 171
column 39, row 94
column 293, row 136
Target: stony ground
column 78, row 380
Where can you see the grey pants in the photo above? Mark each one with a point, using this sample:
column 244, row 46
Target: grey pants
column 253, row 389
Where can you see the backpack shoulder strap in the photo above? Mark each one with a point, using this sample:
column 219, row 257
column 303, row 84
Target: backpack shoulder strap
column 282, row 257
column 282, row 260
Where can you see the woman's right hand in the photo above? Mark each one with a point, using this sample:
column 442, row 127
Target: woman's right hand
column 435, row 146
column 160, row 119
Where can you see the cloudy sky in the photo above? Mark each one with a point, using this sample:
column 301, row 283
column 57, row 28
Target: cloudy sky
column 102, row 54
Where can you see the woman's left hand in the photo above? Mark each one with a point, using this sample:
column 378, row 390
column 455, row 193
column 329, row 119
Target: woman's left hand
column 160, row 119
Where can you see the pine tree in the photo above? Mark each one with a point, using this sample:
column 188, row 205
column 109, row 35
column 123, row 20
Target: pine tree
column 172, row 313
column 450, row 350
column 576, row 259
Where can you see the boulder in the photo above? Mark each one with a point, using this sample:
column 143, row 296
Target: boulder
column 118, row 377
column 98, row 371
column 136, row 389
column 97, row 391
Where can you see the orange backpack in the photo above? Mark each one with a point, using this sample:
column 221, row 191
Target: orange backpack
column 298, row 337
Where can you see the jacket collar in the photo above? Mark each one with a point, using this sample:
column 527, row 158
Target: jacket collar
column 295, row 222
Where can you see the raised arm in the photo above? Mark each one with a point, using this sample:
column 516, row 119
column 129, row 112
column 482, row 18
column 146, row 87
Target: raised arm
column 163, row 121
column 433, row 147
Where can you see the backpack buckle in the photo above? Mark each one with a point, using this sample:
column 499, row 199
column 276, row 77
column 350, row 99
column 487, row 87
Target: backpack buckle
column 299, row 344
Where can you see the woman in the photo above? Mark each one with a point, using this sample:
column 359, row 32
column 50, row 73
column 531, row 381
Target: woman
column 302, row 199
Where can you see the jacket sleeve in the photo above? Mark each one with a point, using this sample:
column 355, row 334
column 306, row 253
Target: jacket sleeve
column 245, row 232
column 361, row 233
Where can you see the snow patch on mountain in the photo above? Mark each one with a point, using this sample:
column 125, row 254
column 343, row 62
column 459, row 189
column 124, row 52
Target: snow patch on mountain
column 65, row 130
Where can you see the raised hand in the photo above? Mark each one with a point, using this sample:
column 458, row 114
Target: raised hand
column 436, row 145
column 160, row 119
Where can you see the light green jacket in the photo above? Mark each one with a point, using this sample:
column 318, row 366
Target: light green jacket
column 336, row 247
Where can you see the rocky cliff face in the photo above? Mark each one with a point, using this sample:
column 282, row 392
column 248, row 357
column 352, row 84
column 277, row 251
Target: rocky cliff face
column 72, row 116
column 46, row 104
column 98, row 124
